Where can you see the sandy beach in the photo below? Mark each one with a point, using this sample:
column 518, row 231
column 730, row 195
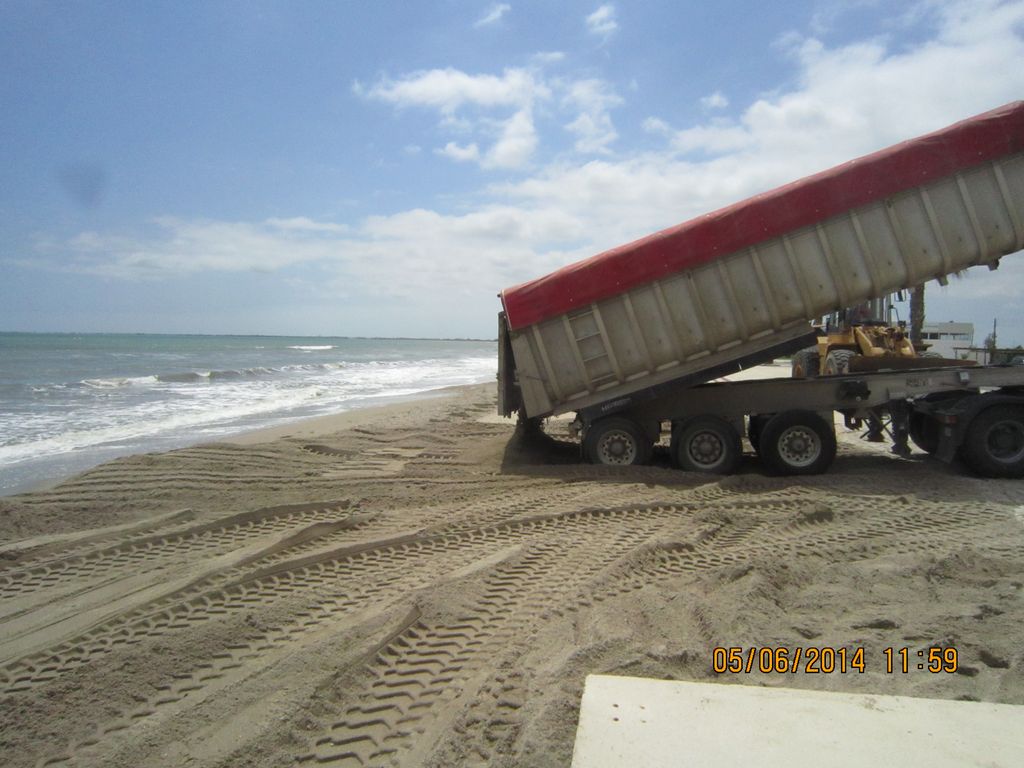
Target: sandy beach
column 421, row 585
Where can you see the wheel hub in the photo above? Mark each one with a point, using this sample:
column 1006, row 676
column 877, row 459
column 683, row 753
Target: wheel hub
column 617, row 448
column 799, row 446
column 1006, row 441
column 706, row 448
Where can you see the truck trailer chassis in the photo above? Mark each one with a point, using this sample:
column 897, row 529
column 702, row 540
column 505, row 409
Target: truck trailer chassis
column 976, row 414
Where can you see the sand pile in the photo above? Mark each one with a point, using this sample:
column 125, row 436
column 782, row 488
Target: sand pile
column 418, row 585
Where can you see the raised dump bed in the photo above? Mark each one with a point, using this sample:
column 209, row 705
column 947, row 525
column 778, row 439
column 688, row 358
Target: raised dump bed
column 739, row 286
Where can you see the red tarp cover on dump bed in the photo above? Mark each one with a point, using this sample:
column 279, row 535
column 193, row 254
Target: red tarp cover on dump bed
column 815, row 198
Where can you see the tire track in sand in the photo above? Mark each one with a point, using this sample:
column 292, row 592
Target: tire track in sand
column 492, row 717
column 431, row 664
column 149, row 550
column 368, row 582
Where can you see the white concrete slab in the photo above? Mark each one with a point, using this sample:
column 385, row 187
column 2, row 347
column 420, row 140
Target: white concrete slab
column 630, row 722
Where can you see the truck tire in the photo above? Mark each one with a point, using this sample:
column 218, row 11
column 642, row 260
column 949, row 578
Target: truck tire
column 924, row 432
column 805, row 364
column 994, row 443
column 616, row 441
column 707, row 444
column 797, row 443
column 837, row 362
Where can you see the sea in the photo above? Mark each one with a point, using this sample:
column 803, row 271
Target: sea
column 71, row 401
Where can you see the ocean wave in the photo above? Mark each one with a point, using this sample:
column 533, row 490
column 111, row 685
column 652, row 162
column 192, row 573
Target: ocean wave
column 383, row 372
column 137, row 381
column 245, row 373
column 192, row 377
column 181, row 377
column 186, row 377
column 312, row 347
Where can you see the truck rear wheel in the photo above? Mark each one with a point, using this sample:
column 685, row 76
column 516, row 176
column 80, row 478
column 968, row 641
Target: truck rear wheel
column 994, row 444
column 616, row 441
column 797, row 443
column 707, row 444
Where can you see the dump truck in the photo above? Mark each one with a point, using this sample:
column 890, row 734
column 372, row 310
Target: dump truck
column 632, row 339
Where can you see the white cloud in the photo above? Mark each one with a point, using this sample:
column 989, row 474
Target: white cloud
column 295, row 224
column 470, row 152
column 594, row 133
column 716, row 100
column 602, row 22
column 467, row 104
column 717, row 138
column 515, row 145
column 853, row 99
column 493, row 15
column 411, row 253
column 176, row 247
column 593, row 126
column 547, row 57
column 449, row 89
column 656, row 125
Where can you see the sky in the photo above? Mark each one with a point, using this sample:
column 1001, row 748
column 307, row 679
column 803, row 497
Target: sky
column 386, row 168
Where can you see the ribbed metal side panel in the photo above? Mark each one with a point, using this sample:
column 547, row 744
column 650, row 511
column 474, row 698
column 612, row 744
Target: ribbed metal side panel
column 756, row 298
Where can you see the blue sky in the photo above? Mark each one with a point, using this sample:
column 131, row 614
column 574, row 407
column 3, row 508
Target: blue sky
column 385, row 168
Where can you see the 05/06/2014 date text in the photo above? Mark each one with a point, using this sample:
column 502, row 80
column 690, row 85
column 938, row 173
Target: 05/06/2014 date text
column 827, row 660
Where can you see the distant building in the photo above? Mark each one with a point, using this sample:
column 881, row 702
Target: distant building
column 950, row 339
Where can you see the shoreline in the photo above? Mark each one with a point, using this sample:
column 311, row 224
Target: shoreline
column 245, row 436
column 318, row 426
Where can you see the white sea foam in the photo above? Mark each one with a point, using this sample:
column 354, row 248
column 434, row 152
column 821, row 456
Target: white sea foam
column 207, row 417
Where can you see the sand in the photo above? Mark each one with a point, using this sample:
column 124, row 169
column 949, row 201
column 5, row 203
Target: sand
column 421, row 585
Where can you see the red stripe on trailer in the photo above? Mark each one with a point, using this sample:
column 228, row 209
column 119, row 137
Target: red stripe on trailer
column 799, row 204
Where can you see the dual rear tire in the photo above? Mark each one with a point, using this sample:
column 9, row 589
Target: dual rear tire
column 789, row 443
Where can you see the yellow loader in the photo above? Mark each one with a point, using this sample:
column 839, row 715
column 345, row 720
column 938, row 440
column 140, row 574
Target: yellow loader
column 862, row 339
